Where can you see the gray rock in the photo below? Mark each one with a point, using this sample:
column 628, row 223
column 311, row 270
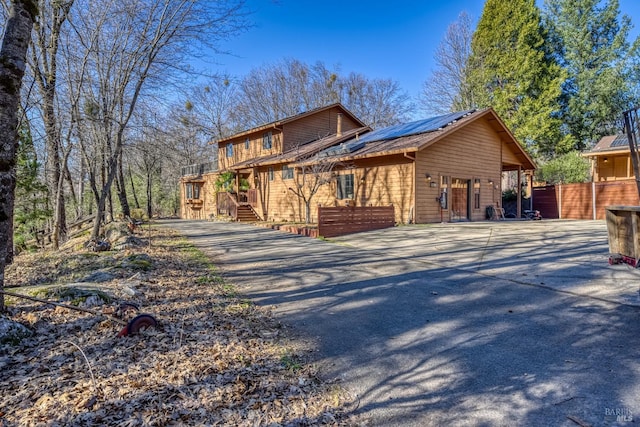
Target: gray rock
column 12, row 332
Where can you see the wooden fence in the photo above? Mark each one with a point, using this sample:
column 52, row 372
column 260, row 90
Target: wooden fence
column 583, row 201
column 341, row 220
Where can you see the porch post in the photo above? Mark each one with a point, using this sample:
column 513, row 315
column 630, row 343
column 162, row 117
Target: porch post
column 519, row 194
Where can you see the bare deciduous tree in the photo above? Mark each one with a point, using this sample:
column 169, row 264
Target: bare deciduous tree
column 313, row 170
column 211, row 109
column 447, row 89
column 131, row 45
column 43, row 64
column 378, row 102
column 284, row 89
column 15, row 43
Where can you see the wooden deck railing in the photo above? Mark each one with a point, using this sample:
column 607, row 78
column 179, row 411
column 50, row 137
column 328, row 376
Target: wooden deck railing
column 227, row 204
column 338, row 221
column 252, row 197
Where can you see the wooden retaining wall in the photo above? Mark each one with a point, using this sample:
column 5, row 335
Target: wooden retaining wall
column 341, row 220
column 583, row 201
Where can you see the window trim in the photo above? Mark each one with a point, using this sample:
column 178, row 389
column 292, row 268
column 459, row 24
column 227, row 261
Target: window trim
column 267, row 142
column 287, row 172
column 345, row 190
column 192, row 190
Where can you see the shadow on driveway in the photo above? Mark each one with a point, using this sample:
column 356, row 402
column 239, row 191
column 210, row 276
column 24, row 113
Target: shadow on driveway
column 484, row 324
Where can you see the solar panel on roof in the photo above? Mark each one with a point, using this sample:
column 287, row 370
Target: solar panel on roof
column 414, row 128
column 346, row 148
column 620, row 141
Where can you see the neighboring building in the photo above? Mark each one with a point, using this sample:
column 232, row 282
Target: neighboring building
column 611, row 159
column 446, row 168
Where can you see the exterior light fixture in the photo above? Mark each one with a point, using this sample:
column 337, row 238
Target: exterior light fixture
column 606, row 159
column 426, row 175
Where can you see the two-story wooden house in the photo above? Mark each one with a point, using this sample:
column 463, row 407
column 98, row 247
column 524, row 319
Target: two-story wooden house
column 445, row 168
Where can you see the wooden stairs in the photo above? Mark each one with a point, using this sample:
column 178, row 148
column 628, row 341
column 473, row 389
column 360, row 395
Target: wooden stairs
column 246, row 213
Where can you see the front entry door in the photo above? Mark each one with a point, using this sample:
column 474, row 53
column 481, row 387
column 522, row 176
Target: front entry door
column 460, row 199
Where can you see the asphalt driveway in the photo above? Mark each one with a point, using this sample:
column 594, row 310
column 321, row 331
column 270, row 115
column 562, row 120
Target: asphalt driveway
column 504, row 323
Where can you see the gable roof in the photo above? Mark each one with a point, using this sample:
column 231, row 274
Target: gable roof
column 303, row 151
column 418, row 135
column 610, row 144
column 290, row 119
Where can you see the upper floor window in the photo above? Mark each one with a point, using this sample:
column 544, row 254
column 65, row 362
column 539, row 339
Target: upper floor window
column 266, row 140
column 345, row 187
column 229, row 149
column 287, row 172
column 246, row 144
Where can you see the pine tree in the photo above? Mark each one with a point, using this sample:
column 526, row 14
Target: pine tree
column 511, row 71
column 31, row 209
column 589, row 40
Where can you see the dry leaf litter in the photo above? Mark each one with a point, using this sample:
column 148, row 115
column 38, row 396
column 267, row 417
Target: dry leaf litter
column 214, row 359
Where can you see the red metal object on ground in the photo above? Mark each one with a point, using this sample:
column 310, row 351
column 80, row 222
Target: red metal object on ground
column 142, row 321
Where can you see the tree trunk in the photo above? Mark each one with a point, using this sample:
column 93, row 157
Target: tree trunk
column 133, row 190
column 12, row 65
column 307, row 208
column 149, row 208
column 44, row 65
column 122, row 190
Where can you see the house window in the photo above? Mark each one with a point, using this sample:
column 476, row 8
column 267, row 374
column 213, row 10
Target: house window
column 476, row 193
column 270, row 172
column 344, row 186
column 246, row 144
column 287, row 172
column 192, row 190
column 229, row 149
column 266, row 140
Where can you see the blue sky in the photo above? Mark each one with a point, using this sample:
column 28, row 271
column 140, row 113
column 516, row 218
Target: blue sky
column 380, row 39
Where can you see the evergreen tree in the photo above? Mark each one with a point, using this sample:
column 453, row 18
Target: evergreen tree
column 511, row 71
column 590, row 41
column 31, row 209
column 567, row 168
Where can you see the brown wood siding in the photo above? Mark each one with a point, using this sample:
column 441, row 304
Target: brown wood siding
column 473, row 152
column 275, row 201
column 314, row 127
column 378, row 181
column 617, row 167
column 202, row 210
column 241, row 154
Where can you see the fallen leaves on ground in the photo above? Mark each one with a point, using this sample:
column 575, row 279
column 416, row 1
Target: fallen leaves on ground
column 214, row 359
